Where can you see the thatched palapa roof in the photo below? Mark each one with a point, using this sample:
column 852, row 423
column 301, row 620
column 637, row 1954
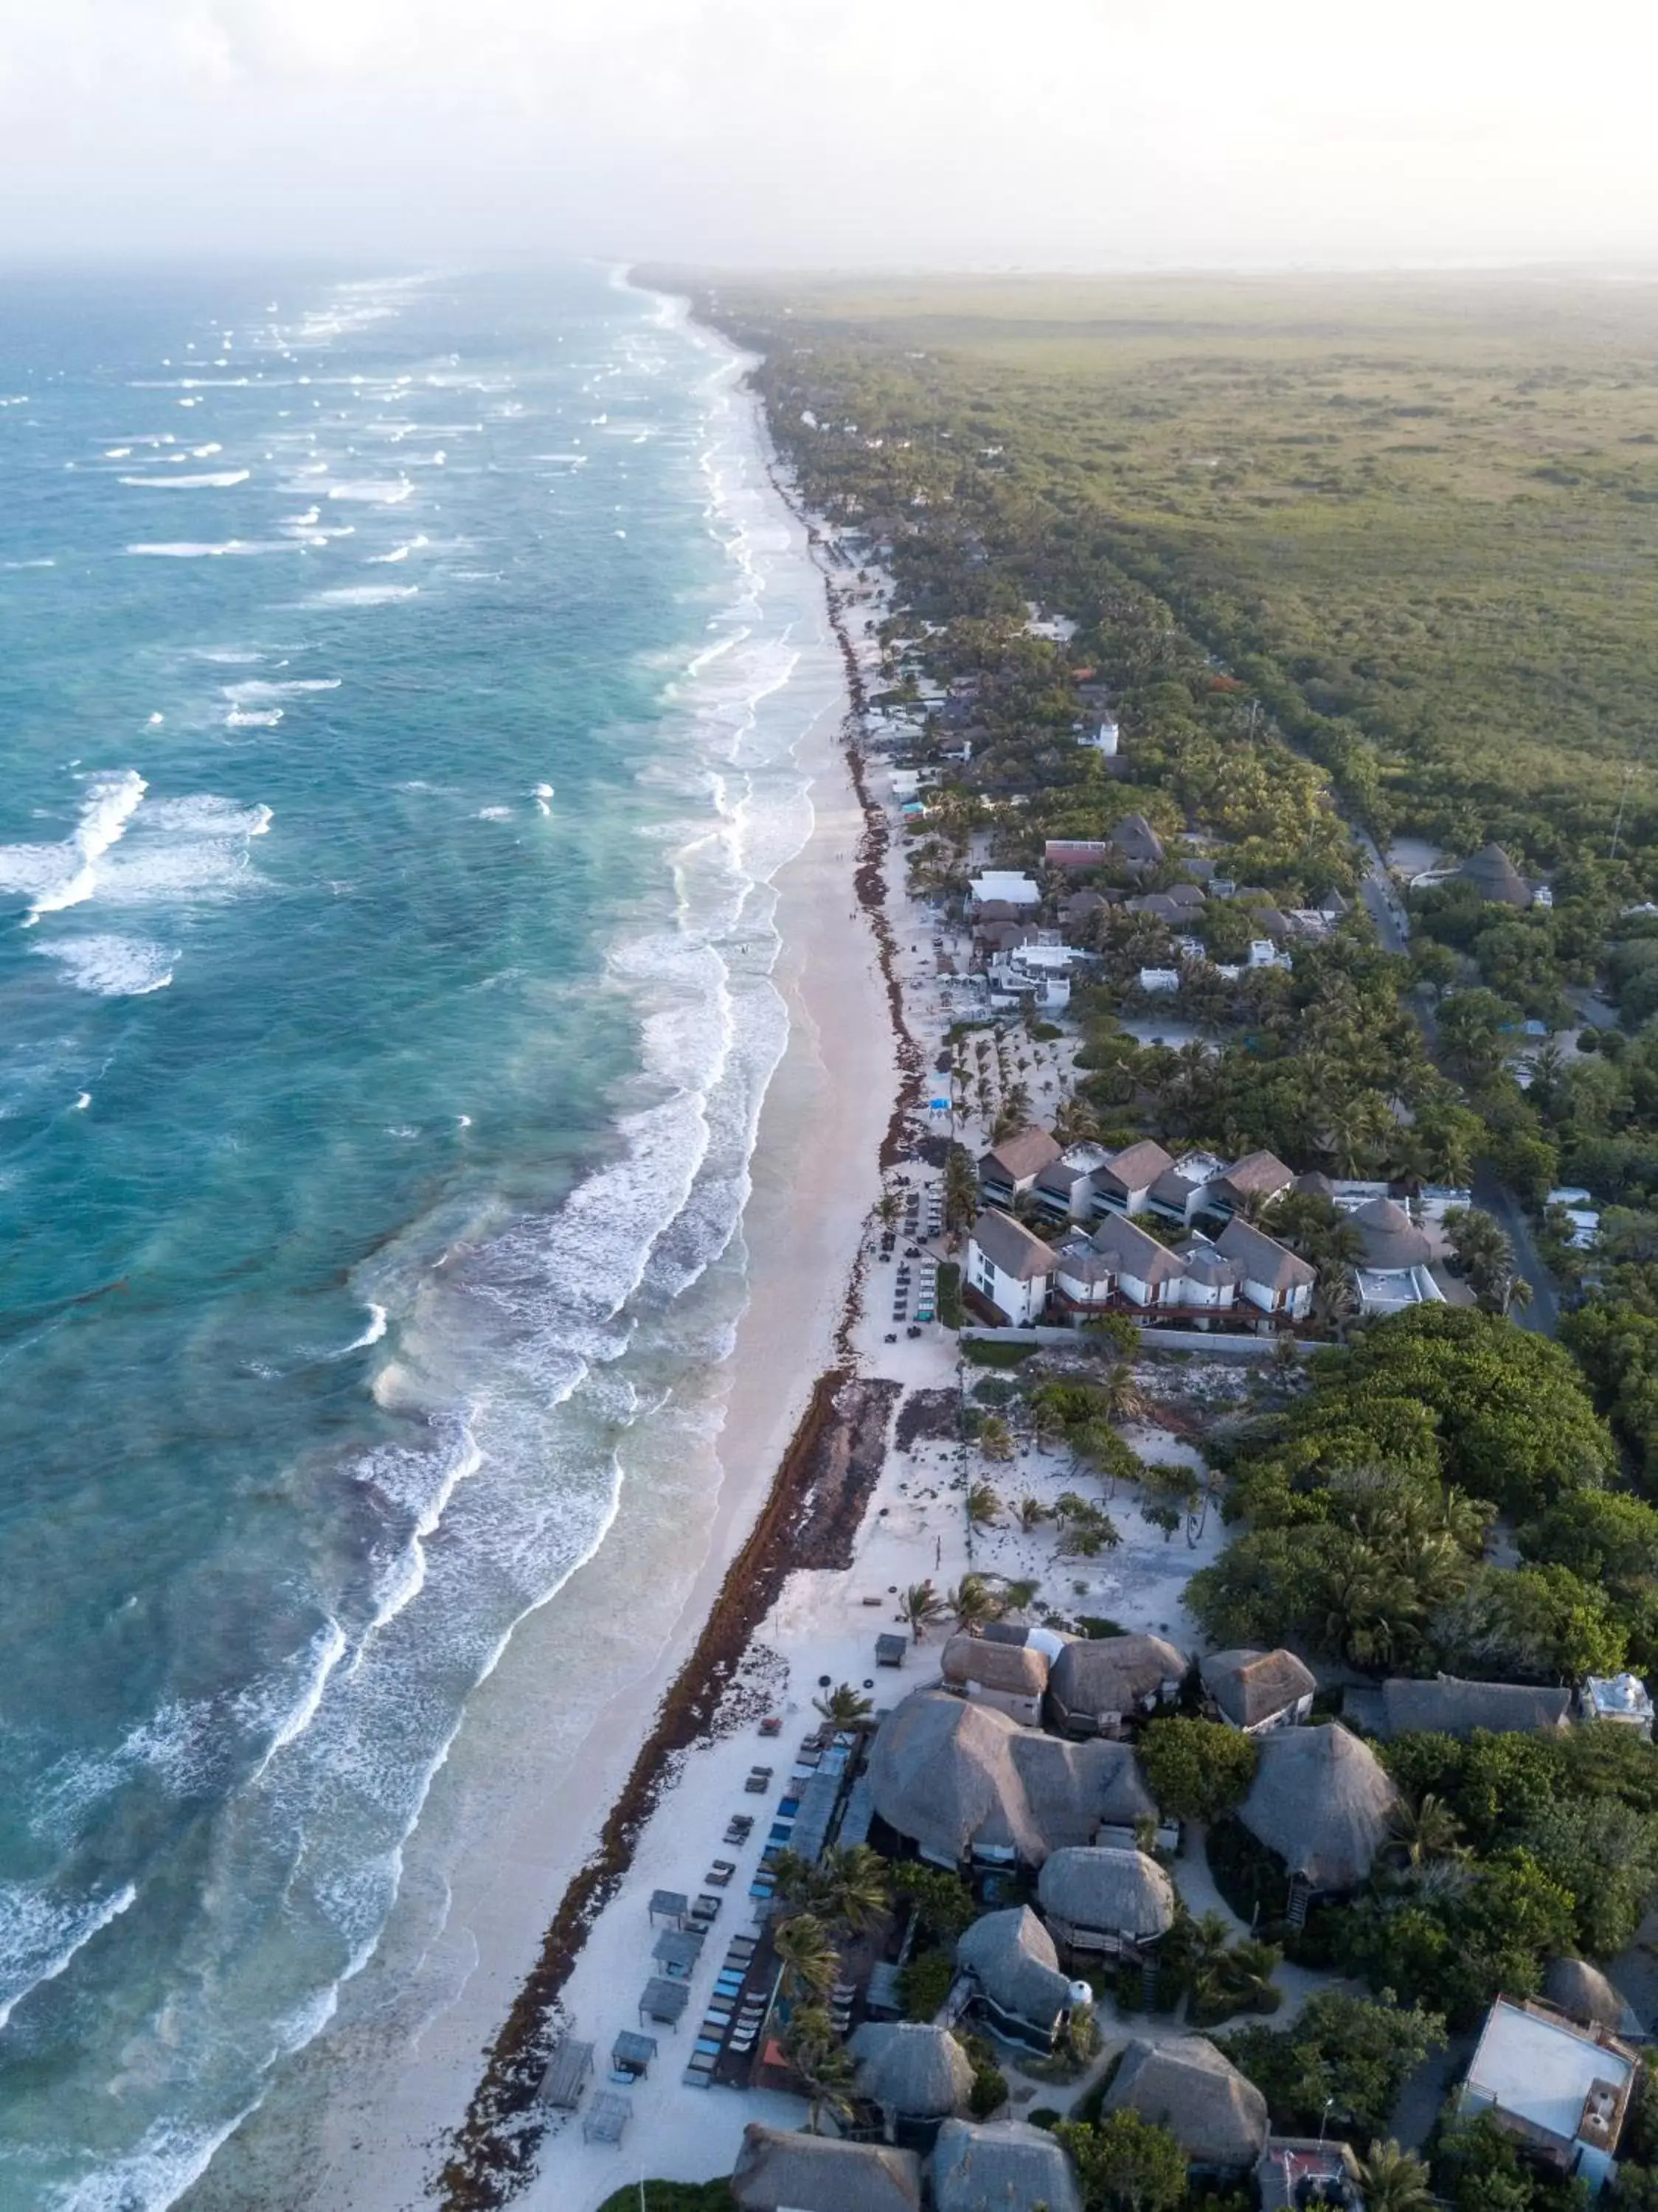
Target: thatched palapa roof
column 1250, row 1687
column 1217, row 2114
column 1017, row 1669
column 1447, row 1706
column 1108, row 1891
column 917, row 2071
column 1105, row 1675
column 819, row 2173
column 986, row 2169
column 950, row 1773
column 1012, row 1958
column 1583, row 1991
column 1321, row 1799
column 1495, row 876
column 1391, row 1240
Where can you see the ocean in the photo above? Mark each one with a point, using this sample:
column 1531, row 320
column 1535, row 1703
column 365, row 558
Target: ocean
column 400, row 682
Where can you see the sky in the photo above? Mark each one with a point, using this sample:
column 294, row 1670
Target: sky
column 868, row 133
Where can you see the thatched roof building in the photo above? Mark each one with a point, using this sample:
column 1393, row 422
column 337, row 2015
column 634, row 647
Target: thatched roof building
column 954, row 1775
column 1012, row 1960
column 819, row 2173
column 1253, row 1689
column 1217, row 2114
column 1495, row 876
column 1012, row 1675
column 1583, row 1992
column 1097, row 1682
column 1449, row 1706
column 1321, row 1799
column 1391, row 1240
column 986, row 2169
column 912, row 2071
column 1096, row 1892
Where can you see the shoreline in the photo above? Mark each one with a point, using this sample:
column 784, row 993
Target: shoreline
column 801, row 1522
column 535, row 1819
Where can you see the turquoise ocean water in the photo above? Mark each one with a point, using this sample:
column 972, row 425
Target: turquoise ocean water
column 395, row 750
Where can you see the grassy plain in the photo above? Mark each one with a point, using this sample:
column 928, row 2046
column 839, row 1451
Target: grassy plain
column 1428, row 507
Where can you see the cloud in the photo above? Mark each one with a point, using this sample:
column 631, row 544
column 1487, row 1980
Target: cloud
column 972, row 131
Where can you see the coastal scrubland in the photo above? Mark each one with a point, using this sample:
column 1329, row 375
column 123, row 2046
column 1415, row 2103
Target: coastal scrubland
column 1418, row 519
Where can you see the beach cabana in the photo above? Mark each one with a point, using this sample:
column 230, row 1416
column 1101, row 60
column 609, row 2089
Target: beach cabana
column 820, row 2174
column 664, row 2002
column 1014, row 1969
column 676, row 1951
column 1256, row 1691
column 631, row 2053
column 1097, row 1684
column 1105, row 1899
column 1321, row 1799
column 668, row 1908
column 1575, row 1987
column 607, row 2118
column 981, row 2169
column 566, row 2076
column 916, row 2074
column 1217, row 2114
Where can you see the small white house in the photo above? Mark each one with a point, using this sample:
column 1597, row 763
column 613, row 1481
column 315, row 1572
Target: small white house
column 1159, row 979
column 1008, row 1268
column 1263, row 953
column 1102, row 738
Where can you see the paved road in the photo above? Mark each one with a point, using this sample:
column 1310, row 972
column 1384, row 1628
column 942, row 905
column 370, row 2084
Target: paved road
column 1543, row 1314
column 1379, row 899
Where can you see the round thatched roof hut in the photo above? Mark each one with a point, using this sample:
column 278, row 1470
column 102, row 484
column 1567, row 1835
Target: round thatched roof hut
column 1321, row 1799
column 1392, row 1239
column 912, row 2070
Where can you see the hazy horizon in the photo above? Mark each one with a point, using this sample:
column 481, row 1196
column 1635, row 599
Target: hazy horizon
column 869, row 134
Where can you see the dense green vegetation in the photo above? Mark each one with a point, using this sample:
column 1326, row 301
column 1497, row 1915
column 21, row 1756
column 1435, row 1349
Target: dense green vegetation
column 1416, row 519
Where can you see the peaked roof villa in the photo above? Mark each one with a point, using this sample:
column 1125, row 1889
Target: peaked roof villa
column 1217, row 2114
column 1321, row 1799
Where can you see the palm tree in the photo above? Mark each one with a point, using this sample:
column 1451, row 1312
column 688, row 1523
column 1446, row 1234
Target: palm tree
column 1076, row 1122
column 1427, row 1830
column 853, row 1888
column 1124, row 1400
column 845, row 1707
column 1393, row 2181
column 1017, row 1596
column 972, row 1603
column 1030, row 1513
column 1335, row 1300
column 921, row 1607
column 809, row 1959
column 984, row 1506
column 825, row 2066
